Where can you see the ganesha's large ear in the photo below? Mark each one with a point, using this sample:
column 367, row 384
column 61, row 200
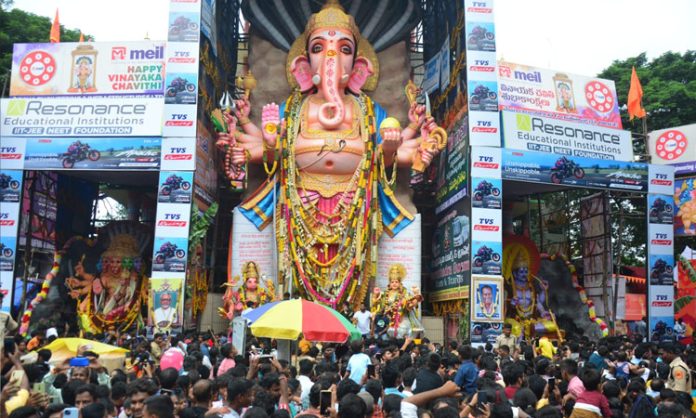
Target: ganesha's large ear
column 302, row 72
column 362, row 70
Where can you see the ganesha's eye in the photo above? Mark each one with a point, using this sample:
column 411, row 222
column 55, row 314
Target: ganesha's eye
column 346, row 49
column 317, row 48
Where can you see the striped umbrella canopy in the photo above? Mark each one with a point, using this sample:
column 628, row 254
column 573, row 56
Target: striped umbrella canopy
column 287, row 319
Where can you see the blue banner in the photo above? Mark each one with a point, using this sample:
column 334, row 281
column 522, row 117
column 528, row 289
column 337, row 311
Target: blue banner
column 546, row 168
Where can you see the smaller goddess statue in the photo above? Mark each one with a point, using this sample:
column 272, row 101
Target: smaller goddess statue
column 397, row 304
column 249, row 295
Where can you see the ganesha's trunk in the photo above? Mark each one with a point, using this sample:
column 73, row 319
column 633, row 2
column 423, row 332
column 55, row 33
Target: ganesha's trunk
column 332, row 112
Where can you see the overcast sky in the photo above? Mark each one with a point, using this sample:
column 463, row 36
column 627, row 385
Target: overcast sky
column 580, row 36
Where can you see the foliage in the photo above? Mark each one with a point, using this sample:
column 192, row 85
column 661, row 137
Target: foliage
column 669, row 88
column 18, row 26
column 199, row 226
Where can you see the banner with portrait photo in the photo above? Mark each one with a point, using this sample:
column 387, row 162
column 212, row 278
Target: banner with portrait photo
column 165, row 304
column 488, row 300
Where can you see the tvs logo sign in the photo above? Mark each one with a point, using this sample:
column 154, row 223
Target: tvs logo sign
column 482, row 66
column 479, row 7
column 486, row 224
column 9, row 153
column 178, row 154
column 486, row 162
column 5, row 219
column 484, row 126
column 178, row 119
column 172, row 220
column 661, row 301
column 37, row 68
column 182, row 57
column 671, row 145
column 661, row 180
column 661, row 239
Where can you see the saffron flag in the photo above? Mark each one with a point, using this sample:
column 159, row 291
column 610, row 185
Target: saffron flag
column 82, row 38
column 635, row 97
column 55, row 29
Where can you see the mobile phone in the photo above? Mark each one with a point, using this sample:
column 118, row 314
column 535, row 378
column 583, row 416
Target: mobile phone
column 552, row 384
column 482, row 398
column 324, row 402
column 39, row 387
column 71, row 413
column 370, row 370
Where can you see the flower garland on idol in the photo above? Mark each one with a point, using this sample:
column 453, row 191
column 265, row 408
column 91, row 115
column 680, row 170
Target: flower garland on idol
column 354, row 225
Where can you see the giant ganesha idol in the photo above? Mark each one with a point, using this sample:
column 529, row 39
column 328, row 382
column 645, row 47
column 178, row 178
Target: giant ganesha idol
column 331, row 155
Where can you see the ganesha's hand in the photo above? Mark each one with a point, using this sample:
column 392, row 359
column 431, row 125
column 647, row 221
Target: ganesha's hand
column 230, row 120
column 270, row 124
column 225, row 140
column 416, row 114
column 391, row 140
column 242, row 110
column 239, row 155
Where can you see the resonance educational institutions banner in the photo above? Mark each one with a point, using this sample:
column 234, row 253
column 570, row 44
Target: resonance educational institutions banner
column 94, row 68
column 558, row 95
column 675, row 147
column 537, row 133
column 78, row 116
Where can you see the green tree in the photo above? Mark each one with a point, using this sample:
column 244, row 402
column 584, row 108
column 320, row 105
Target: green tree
column 669, row 88
column 18, row 26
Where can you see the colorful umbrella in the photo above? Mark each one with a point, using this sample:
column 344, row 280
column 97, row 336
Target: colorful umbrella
column 287, row 319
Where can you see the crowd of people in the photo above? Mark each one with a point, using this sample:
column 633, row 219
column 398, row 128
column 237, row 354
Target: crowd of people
column 203, row 376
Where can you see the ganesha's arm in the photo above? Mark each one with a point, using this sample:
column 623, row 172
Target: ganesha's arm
column 253, row 144
column 251, row 129
column 406, row 152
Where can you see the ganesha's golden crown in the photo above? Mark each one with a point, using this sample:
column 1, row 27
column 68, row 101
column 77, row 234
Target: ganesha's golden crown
column 332, row 16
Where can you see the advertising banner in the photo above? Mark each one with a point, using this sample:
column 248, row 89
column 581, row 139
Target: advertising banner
column 685, row 207
column 661, row 311
column 250, row 244
column 179, row 153
column 10, row 195
column 92, row 153
column 537, row 133
column 661, row 179
column 405, row 248
column 563, row 96
column 170, row 255
column 74, row 116
column 450, row 263
column 660, row 239
column 661, row 209
column 452, row 178
column 166, row 304
column 94, row 68
column 487, row 225
column 479, row 10
column 486, row 193
column 487, row 257
column 540, row 167
column 431, row 78
column 173, row 220
column 184, row 21
column 445, row 64
column 486, row 162
column 675, row 147
column 175, row 187
column 12, row 153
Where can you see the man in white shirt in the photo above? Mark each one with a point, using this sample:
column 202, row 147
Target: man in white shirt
column 305, row 379
column 358, row 362
column 165, row 315
column 363, row 320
